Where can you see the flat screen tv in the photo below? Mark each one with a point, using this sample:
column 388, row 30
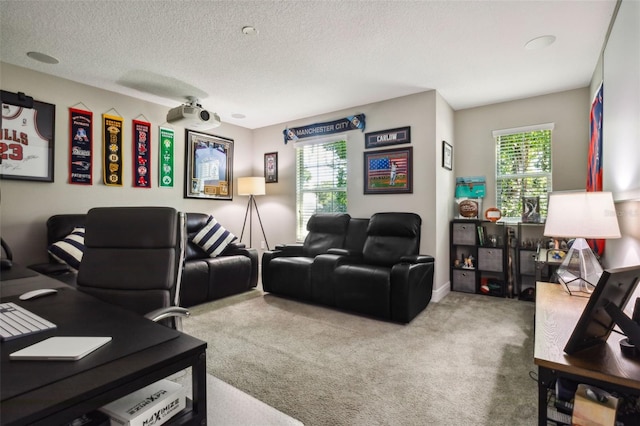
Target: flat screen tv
column 607, row 301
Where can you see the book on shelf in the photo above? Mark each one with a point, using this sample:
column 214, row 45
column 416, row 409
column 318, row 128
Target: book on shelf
column 481, row 235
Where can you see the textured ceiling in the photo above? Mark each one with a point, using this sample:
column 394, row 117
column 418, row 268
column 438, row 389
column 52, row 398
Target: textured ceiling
column 309, row 57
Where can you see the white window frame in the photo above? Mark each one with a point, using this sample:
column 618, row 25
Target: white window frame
column 530, row 174
column 303, row 213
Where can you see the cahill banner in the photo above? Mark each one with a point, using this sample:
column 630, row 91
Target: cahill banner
column 353, row 122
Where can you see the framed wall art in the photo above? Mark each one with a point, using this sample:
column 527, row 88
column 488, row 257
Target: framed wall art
column 28, row 140
column 388, row 171
column 271, row 167
column 447, row 155
column 387, row 137
column 209, row 166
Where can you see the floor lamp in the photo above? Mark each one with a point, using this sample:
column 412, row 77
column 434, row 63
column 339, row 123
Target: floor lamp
column 581, row 215
column 252, row 186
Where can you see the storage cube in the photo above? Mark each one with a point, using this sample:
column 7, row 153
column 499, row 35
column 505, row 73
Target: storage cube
column 464, row 280
column 464, row 233
column 490, row 259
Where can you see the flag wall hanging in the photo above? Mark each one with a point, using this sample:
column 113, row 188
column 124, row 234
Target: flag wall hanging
column 141, row 154
column 112, row 149
column 81, row 147
column 165, row 155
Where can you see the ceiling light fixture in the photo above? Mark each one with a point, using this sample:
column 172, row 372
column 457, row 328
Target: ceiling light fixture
column 540, row 42
column 249, row 30
column 238, row 115
column 41, row 57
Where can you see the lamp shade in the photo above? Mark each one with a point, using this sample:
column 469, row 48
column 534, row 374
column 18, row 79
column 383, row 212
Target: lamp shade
column 251, row 186
column 581, row 215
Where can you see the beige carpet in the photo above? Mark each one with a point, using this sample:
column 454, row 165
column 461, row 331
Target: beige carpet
column 463, row 361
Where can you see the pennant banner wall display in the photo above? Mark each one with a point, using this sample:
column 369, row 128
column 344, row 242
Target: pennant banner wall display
column 165, row 170
column 81, row 144
column 352, row 122
column 112, row 149
column 141, row 154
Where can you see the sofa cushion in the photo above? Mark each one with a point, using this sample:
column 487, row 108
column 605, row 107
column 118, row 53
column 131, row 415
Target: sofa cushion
column 213, row 238
column 70, row 249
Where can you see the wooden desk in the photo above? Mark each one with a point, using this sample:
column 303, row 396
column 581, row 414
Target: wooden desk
column 141, row 353
column 604, row 366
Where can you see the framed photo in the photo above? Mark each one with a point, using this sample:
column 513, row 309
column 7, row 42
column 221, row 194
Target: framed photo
column 271, row 167
column 531, row 209
column 209, row 166
column 27, row 146
column 447, row 155
column 388, row 171
column 387, row 137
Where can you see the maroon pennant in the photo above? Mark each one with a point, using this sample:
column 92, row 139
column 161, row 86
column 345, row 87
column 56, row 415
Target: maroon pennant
column 141, row 154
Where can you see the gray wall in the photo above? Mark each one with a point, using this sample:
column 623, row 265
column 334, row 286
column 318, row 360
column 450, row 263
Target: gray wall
column 25, row 206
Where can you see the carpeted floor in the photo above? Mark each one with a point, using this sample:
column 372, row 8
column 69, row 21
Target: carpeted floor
column 463, row 361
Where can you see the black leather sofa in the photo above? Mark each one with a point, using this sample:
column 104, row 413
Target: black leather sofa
column 204, row 278
column 369, row 266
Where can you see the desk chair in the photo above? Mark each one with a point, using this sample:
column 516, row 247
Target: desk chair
column 133, row 258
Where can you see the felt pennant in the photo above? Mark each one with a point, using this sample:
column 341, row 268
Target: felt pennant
column 81, row 145
column 141, row 154
column 112, row 149
column 165, row 174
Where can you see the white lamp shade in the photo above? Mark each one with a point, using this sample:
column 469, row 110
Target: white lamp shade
column 581, row 215
column 251, row 186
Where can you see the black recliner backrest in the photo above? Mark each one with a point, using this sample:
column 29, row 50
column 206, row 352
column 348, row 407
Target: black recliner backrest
column 194, row 223
column 326, row 230
column 356, row 234
column 132, row 256
column 391, row 236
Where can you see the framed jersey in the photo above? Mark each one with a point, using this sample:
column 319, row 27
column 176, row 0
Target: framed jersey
column 27, row 141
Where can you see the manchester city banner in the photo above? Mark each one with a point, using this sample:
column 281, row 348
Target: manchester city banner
column 165, row 154
column 141, row 154
column 112, row 149
column 352, row 122
column 81, row 135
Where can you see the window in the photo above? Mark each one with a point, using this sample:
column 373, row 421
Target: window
column 523, row 168
column 321, row 180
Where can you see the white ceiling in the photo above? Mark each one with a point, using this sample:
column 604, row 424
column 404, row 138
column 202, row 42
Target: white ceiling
column 309, row 57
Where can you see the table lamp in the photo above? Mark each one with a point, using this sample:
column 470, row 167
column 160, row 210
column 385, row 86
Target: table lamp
column 581, row 215
column 252, row 186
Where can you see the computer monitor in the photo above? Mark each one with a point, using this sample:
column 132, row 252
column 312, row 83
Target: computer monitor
column 604, row 310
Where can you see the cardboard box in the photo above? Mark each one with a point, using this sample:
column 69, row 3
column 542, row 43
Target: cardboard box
column 594, row 407
column 150, row 406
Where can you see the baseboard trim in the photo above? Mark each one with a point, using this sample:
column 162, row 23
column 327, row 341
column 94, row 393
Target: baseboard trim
column 441, row 292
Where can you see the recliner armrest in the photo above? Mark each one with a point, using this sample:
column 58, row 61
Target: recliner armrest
column 417, row 258
column 295, row 249
column 352, row 255
column 51, row 268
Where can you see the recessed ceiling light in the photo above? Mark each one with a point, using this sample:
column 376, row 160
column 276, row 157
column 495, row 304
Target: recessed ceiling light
column 41, row 57
column 238, row 115
column 249, row 30
column 540, row 42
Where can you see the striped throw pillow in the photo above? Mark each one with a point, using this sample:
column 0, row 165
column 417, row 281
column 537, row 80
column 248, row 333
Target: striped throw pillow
column 213, row 238
column 70, row 249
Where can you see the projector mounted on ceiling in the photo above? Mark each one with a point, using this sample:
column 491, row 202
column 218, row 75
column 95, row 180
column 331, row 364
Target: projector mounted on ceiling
column 192, row 115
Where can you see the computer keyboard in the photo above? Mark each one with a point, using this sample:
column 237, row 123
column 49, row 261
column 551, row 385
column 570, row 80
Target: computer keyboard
column 16, row 321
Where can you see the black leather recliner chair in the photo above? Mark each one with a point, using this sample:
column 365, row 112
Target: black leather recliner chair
column 390, row 279
column 208, row 278
column 287, row 269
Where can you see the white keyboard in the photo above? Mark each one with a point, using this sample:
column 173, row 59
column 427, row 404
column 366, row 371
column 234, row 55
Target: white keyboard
column 16, row 321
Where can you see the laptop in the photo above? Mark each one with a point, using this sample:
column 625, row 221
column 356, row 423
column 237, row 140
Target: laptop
column 61, row 348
